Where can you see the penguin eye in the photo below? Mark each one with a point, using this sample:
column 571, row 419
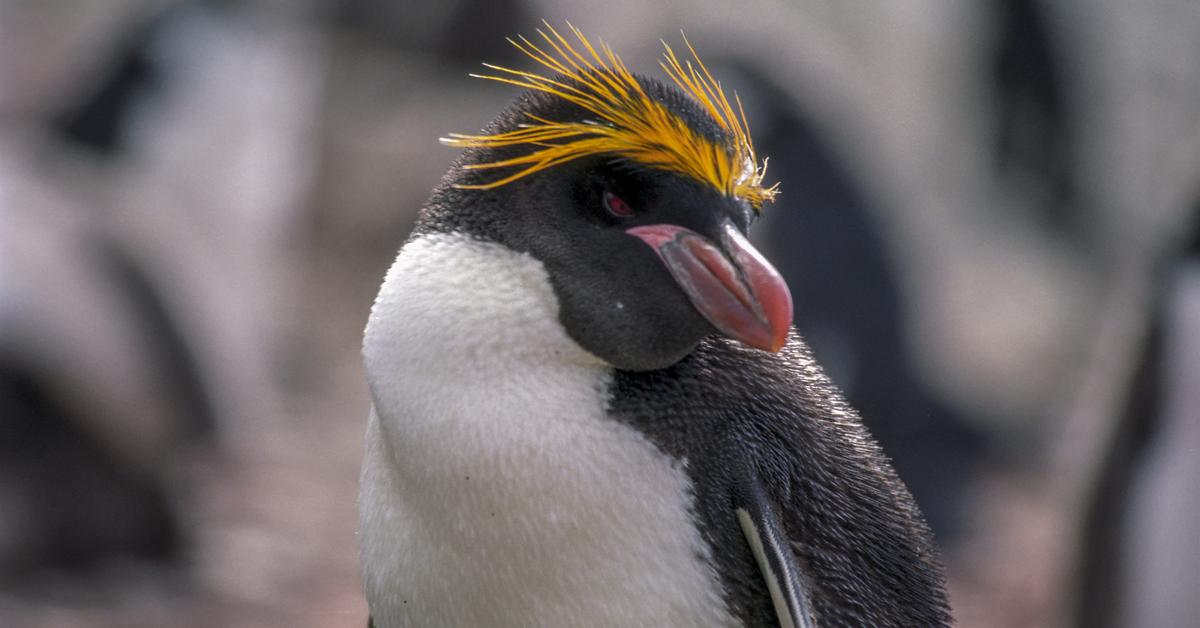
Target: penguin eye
column 616, row 206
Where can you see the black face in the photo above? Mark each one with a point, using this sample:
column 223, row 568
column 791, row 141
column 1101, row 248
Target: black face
column 617, row 298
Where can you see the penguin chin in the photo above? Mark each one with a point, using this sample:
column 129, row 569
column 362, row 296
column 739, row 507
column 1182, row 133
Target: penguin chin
column 644, row 361
column 641, row 348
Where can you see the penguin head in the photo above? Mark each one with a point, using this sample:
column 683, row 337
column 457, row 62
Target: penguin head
column 636, row 199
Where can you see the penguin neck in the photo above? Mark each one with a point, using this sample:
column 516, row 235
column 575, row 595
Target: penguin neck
column 454, row 306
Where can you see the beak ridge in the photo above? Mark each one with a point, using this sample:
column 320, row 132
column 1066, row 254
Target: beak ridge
column 732, row 285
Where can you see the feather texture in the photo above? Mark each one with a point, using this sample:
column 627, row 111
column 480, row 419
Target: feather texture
column 628, row 122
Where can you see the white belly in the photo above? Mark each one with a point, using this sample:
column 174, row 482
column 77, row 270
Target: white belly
column 495, row 490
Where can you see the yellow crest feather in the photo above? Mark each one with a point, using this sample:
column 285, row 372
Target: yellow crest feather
column 630, row 124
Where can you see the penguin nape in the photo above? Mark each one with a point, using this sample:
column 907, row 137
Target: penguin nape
column 588, row 406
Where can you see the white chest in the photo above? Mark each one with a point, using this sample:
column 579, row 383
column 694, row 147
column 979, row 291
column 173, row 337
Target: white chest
column 495, row 490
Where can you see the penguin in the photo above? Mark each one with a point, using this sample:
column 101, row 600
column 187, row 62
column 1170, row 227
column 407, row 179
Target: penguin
column 589, row 407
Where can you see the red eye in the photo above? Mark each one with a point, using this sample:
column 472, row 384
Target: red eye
column 616, row 205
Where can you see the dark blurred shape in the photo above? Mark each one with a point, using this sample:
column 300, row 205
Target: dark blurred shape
column 80, row 492
column 97, row 118
column 1140, row 536
column 79, row 502
column 86, row 468
column 848, row 306
column 98, row 121
column 181, row 377
column 1033, row 146
column 455, row 30
column 1101, row 569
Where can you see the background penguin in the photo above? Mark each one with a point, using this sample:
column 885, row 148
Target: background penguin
column 577, row 418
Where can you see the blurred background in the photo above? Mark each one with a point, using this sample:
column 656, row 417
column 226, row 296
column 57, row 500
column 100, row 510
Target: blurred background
column 988, row 221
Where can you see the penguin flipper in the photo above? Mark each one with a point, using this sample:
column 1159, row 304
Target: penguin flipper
column 757, row 516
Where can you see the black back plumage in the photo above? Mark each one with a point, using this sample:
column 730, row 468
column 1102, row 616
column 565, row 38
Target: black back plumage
column 730, row 412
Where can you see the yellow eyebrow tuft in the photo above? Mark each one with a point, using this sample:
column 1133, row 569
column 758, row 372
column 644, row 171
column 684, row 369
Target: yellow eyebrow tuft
column 629, row 123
